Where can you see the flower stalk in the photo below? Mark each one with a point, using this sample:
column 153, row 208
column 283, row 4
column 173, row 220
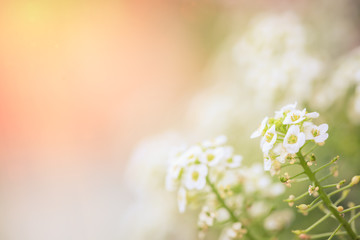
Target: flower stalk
column 325, row 198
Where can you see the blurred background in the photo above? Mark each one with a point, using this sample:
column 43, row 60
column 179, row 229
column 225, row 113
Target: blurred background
column 94, row 94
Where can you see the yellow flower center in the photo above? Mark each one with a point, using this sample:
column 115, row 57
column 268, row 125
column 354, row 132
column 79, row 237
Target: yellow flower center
column 292, row 139
column 195, row 175
column 315, row 132
column 210, row 157
column 269, row 137
column 295, row 117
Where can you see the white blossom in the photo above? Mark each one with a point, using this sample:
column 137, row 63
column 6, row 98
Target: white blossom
column 317, row 133
column 285, row 109
column 259, row 131
column 234, row 162
column 182, row 199
column 267, row 142
column 294, row 116
column 294, row 139
column 195, row 177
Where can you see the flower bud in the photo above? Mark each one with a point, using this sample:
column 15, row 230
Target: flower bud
column 302, row 207
column 340, row 184
column 340, row 208
column 304, row 236
column 355, row 180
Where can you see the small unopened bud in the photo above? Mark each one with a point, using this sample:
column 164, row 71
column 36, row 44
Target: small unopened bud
column 351, row 204
column 340, row 208
column 283, row 179
column 291, row 200
column 335, row 159
column 297, row 232
column 304, row 236
column 302, row 207
column 355, row 180
column 340, row 184
column 309, row 163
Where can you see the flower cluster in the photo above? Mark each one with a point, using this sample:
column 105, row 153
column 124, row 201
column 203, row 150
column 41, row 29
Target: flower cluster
column 189, row 169
column 209, row 175
column 286, row 133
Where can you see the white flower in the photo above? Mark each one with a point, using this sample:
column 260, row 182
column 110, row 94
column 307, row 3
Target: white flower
column 182, row 201
column 191, row 155
column 234, row 162
column 234, row 232
column 294, row 116
column 267, row 162
column 269, row 139
column 206, row 217
column 278, row 220
column 280, row 152
column 294, row 139
column 316, row 133
column 259, row 131
column 196, row 176
column 172, row 176
column 258, row 208
column 312, row 115
column 285, row 109
column 213, row 156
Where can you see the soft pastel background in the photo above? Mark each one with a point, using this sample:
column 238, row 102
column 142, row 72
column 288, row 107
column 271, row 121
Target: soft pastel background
column 94, row 93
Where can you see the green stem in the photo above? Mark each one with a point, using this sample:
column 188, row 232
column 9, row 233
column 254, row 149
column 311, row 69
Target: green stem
column 349, row 209
column 334, row 232
column 325, row 198
column 317, row 223
column 222, row 202
column 322, row 235
column 299, row 174
column 326, row 165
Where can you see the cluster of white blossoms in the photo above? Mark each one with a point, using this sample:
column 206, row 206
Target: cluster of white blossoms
column 286, row 133
column 189, row 169
column 272, row 56
column 210, row 175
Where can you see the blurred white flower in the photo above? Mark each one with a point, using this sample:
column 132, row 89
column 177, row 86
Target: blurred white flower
column 213, row 156
column 182, row 201
column 294, row 139
column 258, row 209
column 278, row 220
column 234, row 162
column 273, row 58
column 234, row 232
column 344, row 76
column 195, row 176
column 206, row 217
column 285, row 109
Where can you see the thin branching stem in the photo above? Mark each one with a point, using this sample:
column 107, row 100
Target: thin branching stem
column 317, row 222
column 222, row 202
column 326, row 165
column 326, row 200
column 349, row 209
column 334, row 232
